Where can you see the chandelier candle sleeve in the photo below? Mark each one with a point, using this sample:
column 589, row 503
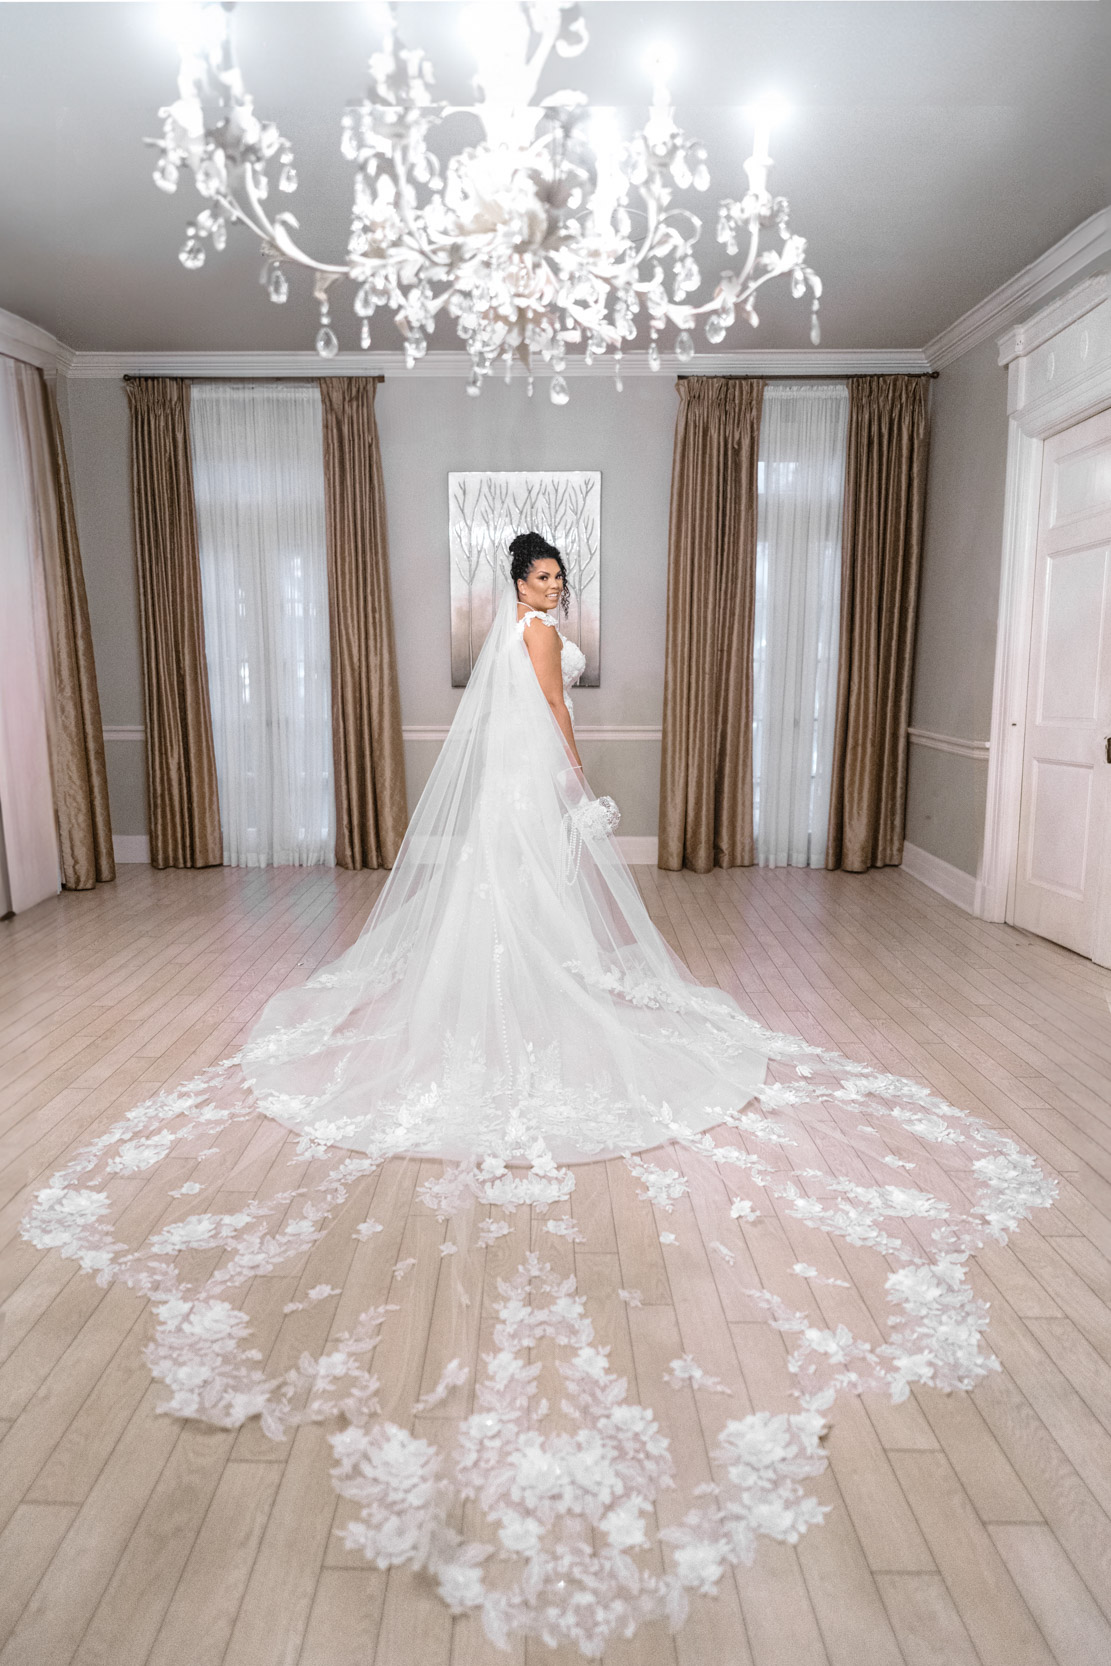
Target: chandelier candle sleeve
column 550, row 232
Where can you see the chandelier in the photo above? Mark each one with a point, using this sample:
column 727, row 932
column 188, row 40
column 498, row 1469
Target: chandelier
column 551, row 232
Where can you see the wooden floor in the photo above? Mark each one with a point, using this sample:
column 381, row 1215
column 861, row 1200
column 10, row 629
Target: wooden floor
column 964, row 1528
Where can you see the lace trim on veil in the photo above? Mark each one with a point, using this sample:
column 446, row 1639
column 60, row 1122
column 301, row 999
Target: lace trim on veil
column 425, row 1037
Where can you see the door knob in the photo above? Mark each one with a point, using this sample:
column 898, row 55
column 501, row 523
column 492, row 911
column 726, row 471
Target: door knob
column 1107, row 749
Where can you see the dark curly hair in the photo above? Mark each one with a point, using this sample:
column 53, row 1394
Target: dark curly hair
column 528, row 548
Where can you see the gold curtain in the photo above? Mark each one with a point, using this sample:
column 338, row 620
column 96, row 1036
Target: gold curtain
column 706, row 770
column 368, row 759
column 181, row 765
column 881, row 546
column 77, row 767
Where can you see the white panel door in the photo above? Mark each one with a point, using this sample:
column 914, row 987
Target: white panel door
column 1063, row 885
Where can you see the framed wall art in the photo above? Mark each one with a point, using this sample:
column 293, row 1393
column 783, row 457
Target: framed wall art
column 485, row 512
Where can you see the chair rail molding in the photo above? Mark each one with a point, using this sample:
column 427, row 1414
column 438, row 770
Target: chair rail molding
column 438, row 732
column 1059, row 374
column 949, row 743
column 584, row 731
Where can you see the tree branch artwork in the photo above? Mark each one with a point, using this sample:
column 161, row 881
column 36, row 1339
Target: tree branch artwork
column 485, row 512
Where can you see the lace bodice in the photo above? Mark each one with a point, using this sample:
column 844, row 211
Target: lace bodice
column 572, row 660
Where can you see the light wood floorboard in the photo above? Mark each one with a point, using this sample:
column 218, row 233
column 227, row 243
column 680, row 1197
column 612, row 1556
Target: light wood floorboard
column 963, row 1530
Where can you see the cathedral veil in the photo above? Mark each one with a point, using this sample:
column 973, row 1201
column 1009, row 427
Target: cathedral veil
column 511, row 1008
column 485, row 1004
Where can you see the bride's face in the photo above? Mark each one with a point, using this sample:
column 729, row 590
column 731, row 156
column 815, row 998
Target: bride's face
column 541, row 587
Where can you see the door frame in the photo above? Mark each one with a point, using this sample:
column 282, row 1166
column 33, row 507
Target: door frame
column 1059, row 374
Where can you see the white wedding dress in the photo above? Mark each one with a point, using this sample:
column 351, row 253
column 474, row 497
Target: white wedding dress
column 510, row 1008
column 509, row 991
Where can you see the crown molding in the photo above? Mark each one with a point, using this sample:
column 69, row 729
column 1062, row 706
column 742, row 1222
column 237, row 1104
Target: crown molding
column 20, row 339
column 1034, row 332
column 1008, row 304
column 454, row 364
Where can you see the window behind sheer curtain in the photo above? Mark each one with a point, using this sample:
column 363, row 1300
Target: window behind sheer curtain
column 800, row 490
column 258, row 480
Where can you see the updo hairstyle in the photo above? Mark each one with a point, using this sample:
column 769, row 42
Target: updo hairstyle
column 528, row 548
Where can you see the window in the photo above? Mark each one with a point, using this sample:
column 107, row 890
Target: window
column 800, row 488
column 258, row 482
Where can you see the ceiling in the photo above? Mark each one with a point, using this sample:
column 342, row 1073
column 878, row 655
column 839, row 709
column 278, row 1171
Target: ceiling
column 933, row 150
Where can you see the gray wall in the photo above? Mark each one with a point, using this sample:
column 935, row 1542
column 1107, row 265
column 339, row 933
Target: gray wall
column 958, row 605
column 428, row 427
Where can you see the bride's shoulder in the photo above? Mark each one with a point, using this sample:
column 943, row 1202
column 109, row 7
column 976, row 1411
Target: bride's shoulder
column 530, row 618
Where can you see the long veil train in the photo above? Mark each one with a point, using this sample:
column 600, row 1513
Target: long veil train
column 510, row 1008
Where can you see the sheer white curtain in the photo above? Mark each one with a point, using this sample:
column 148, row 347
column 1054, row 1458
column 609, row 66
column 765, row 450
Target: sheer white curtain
column 798, row 592
column 258, row 480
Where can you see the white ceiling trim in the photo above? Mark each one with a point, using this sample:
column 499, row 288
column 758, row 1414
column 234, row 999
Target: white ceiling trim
column 1034, row 332
column 20, row 339
column 1008, row 304
column 452, row 364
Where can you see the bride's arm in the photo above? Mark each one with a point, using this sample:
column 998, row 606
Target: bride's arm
column 543, row 645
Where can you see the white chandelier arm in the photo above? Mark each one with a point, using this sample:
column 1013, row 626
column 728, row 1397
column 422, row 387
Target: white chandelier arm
column 524, row 239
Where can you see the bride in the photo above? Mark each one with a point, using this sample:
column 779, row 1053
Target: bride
column 510, row 1008
column 509, row 990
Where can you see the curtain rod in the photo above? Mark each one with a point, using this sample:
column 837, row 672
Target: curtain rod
column 801, row 376
column 289, row 381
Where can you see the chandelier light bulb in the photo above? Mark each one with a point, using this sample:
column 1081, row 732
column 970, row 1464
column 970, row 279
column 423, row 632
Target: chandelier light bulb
column 553, row 232
column 196, row 30
column 378, row 15
column 767, row 111
column 660, row 64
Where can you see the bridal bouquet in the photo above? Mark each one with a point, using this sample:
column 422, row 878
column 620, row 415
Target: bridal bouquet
column 595, row 818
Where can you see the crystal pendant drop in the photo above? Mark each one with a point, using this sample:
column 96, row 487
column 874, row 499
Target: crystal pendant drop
column 326, row 344
column 559, row 393
column 219, row 232
column 192, row 255
column 165, row 176
column 364, row 334
column 684, row 347
column 715, row 328
column 653, row 355
column 277, row 286
column 815, row 330
column 474, row 384
column 287, row 179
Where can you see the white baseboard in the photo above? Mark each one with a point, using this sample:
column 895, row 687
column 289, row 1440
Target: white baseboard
column 639, row 849
column 949, row 882
column 131, row 847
